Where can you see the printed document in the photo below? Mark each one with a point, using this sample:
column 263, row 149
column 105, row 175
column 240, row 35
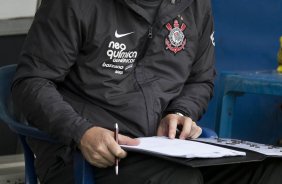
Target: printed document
column 265, row 149
column 181, row 148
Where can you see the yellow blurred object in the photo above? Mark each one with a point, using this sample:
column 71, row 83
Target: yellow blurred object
column 279, row 57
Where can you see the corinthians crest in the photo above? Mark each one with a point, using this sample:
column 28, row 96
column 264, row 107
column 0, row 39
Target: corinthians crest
column 176, row 40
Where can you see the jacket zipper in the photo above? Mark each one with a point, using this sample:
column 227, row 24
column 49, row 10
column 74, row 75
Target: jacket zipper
column 144, row 49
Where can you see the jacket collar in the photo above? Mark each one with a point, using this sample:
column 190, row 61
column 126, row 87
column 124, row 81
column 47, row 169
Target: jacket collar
column 169, row 9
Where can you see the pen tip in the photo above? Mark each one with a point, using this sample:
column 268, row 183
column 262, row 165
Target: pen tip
column 116, row 125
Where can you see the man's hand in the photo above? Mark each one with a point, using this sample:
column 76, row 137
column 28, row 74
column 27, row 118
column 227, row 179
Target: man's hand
column 99, row 147
column 169, row 123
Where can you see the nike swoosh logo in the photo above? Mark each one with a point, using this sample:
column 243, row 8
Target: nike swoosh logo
column 122, row 35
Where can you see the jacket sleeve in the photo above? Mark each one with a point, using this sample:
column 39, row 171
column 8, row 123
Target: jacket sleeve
column 48, row 53
column 198, row 88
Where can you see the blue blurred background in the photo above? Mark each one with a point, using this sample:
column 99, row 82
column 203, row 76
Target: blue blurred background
column 247, row 39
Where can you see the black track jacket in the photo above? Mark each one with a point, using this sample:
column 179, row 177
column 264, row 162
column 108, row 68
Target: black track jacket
column 99, row 62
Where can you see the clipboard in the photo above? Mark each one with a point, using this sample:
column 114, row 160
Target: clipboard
column 251, row 156
column 202, row 162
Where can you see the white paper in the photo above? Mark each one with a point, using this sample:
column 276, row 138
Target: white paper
column 182, row 148
column 10, row 9
column 253, row 146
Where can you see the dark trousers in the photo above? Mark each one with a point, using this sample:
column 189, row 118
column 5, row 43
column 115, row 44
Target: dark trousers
column 143, row 169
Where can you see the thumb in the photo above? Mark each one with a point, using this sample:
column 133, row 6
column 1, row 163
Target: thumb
column 125, row 140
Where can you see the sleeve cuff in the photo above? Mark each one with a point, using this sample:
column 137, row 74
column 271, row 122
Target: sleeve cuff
column 84, row 125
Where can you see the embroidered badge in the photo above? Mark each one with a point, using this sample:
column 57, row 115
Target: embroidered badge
column 176, row 40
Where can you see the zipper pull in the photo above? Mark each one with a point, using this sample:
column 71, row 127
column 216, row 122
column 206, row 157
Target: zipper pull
column 150, row 34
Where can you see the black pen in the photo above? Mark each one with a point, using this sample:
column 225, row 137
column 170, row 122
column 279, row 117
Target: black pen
column 116, row 138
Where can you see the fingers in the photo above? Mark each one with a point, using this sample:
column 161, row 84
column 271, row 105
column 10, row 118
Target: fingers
column 116, row 151
column 162, row 129
column 95, row 157
column 100, row 148
column 186, row 128
column 127, row 140
column 196, row 131
column 101, row 154
column 102, row 158
column 192, row 131
column 169, row 124
column 115, row 148
column 172, row 126
column 106, row 157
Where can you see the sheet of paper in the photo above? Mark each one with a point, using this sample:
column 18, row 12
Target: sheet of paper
column 182, row 148
column 10, row 9
column 257, row 147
